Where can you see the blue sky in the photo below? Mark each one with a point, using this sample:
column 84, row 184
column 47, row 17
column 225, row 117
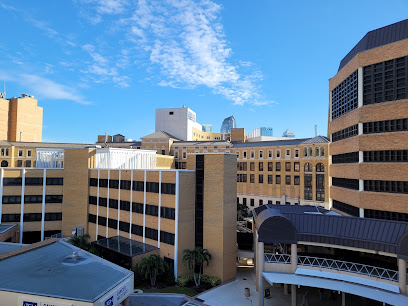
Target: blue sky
column 101, row 66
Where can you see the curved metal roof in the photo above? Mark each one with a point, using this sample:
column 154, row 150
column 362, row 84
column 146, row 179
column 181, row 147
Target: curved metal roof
column 377, row 38
column 372, row 234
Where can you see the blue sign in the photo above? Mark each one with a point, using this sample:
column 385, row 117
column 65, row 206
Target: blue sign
column 109, row 302
column 25, row 303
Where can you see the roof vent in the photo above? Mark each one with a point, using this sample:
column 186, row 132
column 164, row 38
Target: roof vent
column 74, row 258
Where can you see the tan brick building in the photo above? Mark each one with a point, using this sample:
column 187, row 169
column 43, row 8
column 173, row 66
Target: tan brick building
column 368, row 127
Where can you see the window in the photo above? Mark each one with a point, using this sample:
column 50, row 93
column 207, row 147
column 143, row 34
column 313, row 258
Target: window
column 308, row 167
column 287, row 166
column 4, row 163
column 12, row 181
column 387, row 215
column 260, row 166
column 252, row 178
column 252, row 166
column 270, row 154
column 260, row 154
column 176, row 155
column 244, row 201
column 386, row 186
column 166, row 237
column 322, row 151
column 260, row 202
column 2, row 152
column 345, row 96
column 319, row 187
column 252, row 154
column 297, row 153
column 385, row 126
column 319, row 167
column 29, row 153
column 260, row 178
column 33, row 181
column 270, row 179
column 28, row 163
column 270, row 202
column 278, row 179
column 386, row 156
column 19, row 163
column 278, row 166
column 241, row 178
column 345, row 183
column 171, row 113
column 287, row 180
column 346, row 208
column 310, row 152
column 278, row 153
column 53, row 198
column 296, row 167
column 245, row 154
column 163, row 152
column 296, row 180
column 346, row 158
column 317, row 151
column 270, row 166
column 308, row 187
column 20, row 152
column 305, row 152
column 345, row 133
column 287, row 152
column 184, row 154
column 181, row 165
column 7, row 152
column 252, row 202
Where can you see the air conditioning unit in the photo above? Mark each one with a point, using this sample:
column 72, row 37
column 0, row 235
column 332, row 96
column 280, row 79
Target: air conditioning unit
column 78, row 231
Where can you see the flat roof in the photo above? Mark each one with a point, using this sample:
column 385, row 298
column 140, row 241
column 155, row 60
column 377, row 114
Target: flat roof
column 125, row 246
column 51, row 270
column 6, row 227
column 9, row 246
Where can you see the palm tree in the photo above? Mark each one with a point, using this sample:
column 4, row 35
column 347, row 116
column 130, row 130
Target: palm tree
column 81, row 242
column 196, row 257
column 152, row 266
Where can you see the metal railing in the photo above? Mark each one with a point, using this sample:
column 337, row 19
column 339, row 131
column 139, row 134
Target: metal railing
column 338, row 265
column 277, row 258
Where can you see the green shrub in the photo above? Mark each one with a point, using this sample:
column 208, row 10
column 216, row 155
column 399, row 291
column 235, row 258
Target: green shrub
column 140, row 279
column 183, row 280
column 167, row 278
column 213, row 281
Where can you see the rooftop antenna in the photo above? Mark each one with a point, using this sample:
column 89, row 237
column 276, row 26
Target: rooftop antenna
column 315, row 130
column 3, row 94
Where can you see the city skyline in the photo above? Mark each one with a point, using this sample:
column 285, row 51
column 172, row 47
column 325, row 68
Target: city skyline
column 103, row 64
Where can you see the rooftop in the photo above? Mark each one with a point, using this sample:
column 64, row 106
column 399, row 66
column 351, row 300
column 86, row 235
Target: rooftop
column 377, row 38
column 51, row 270
column 288, row 142
column 6, row 227
column 9, row 246
column 125, row 246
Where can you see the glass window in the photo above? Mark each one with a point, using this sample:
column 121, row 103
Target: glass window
column 278, row 166
column 261, row 166
column 296, row 153
column 270, row 179
column 252, row 201
column 270, row 166
column 252, row 166
column 20, row 152
column 260, row 178
column 252, row 178
column 297, row 180
column 308, row 167
column 317, row 153
column 319, row 167
column 278, row 179
column 287, row 152
column 245, row 154
column 260, row 154
column 287, row 180
column 278, row 153
column 296, row 167
column 322, row 151
column 252, row 154
column 270, row 154
column 287, row 166
column 310, row 151
column 305, row 152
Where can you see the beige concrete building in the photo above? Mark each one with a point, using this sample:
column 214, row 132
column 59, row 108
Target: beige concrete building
column 21, row 119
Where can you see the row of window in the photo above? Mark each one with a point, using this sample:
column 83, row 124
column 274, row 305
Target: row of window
column 345, row 133
column 345, row 96
column 32, row 181
column 385, row 81
column 150, row 233
column 346, row 208
column 385, row 126
column 166, row 188
column 242, row 166
column 181, row 165
column 242, row 178
column 345, row 183
column 346, row 158
column 31, row 217
column 307, row 152
column 11, row 199
column 152, row 210
column 386, row 156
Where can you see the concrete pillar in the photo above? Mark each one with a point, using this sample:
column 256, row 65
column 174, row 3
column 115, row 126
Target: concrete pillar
column 402, row 275
column 293, row 295
column 260, row 256
column 343, row 299
column 293, row 257
column 361, row 215
column 261, row 292
column 286, row 289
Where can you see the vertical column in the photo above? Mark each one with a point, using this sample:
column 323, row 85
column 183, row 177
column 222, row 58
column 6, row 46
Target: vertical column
column 97, row 207
column 402, row 275
column 131, row 206
column 144, row 208
column 43, row 204
column 176, row 223
column 360, row 86
column 343, row 299
column 260, row 263
column 261, row 291
column 22, row 205
column 107, row 208
column 360, row 157
column 293, row 295
column 293, row 257
column 120, row 177
column 1, row 193
column 159, row 212
column 361, row 213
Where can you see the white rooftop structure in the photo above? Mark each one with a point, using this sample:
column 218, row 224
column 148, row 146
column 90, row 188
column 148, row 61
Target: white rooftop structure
column 114, row 158
column 50, row 158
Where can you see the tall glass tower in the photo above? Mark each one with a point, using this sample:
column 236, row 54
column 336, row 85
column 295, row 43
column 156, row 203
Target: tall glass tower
column 228, row 124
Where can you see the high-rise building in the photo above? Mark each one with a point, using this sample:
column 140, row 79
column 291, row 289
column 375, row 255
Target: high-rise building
column 207, row 128
column 228, row 124
column 288, row 133
column 262, row 131
column 368, row 127
column 20, row 119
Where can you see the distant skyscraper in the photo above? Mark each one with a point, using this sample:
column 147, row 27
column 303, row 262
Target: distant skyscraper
column 207, row 127
column 288, row 133
column 262, row 131
column 228, row 124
